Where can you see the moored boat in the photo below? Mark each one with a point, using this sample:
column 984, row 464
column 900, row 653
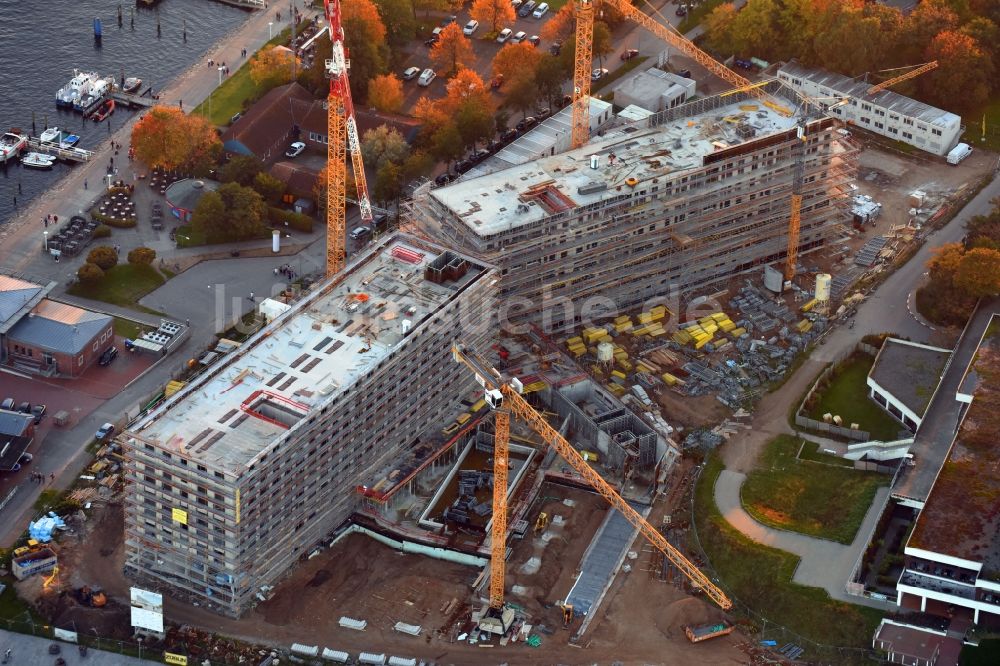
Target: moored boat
column 94, row 95
column 50, row 135
column 131, row 85
column 11, row 145
column 105, row 110
column 69, row 95
column 38, row 161
column 67, row 140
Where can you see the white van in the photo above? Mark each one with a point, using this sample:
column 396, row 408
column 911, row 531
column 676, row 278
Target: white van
column 540, row 10
column 426, row 77
column 959, row 153
column 504, row 35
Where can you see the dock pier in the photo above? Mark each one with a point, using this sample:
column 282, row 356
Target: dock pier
column 246, row 4
column 68, row 154
column 133, row 101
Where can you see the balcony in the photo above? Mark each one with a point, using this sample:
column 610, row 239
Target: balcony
column 937, row 585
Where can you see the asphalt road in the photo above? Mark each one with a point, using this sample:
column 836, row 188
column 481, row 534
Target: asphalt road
column 25, row 650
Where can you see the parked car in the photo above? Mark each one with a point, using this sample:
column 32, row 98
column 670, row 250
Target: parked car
column 360, row 232
column 109, row 355
column 628, row 54
column 448, row 20
column 504, row 35
column 556, row 48
column 496, row 82
column 516, row 4
column 426, row 77
column 745, row 64
column 411, row 73
column 463, row 166
column 39, row 412
column 541, row 10
column 236, row 116
column 470, row 28
column 24, row 408
column 598, row 74
column 25, row 459
column 295, row 149
column 479, row 155
column 104, row 431
column 432, row 41
column 8, row 404
column 682, row 10
column 519, row 37
column 543, row 113
column 535, row 40
column 527, row 123
column 686, row 73
column 508, row 135
column 526, row 9
column 444, row 179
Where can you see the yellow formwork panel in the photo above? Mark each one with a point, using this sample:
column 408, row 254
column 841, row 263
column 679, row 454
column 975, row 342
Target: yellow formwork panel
column 669, row 378
column 719, row 316
column 574, row 341
column 702, row 343
column 737, row 332
column 624, row 319
column 809, row 305
column 624, row 365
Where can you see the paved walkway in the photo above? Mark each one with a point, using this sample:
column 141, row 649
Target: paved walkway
column 823, row 563
column 25, row 649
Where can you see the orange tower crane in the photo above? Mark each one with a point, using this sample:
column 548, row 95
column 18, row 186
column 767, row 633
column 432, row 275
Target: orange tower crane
column 342, row 135
column 585, row 54
column 504, row 397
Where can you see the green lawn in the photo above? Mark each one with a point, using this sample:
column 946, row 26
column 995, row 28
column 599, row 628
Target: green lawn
column 227, row 100
column 986, row 654
column 122, row 285
column 126, row 328
column 190, row 236
column 698, row 14
column 793, row 494
column 974, row 126
column 618, row 73
column 759, row 577
column 810, row 451
column 847, row 396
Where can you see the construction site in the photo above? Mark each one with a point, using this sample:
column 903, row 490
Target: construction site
column 484, row 431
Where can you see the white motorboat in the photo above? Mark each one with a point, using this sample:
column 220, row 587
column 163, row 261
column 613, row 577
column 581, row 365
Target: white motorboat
column 132, row 85
column 94, row 95
column 67, row 140
column 38, row 161
column 69, row 95
column 11, row 145
column 51, row 135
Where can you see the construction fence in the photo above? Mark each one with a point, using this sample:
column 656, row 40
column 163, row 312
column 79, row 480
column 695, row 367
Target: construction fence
column 815, row 425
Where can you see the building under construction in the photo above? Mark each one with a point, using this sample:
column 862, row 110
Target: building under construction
column 681, row 200
column 258, row 459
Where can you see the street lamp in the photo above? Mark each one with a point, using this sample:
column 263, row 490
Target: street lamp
column 221, row 69
column 46, row 235
column 269, row 24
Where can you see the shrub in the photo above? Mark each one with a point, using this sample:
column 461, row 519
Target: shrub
column 104, row 256
column 143, row 256
column 102, row 231
column 291, row 219
column 90, row 273
column 114, row 221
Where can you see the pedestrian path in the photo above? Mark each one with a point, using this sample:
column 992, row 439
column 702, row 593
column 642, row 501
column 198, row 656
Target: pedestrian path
column 25, row 649
column 822, row 563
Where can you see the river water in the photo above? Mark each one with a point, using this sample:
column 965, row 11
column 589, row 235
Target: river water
column 42, row 42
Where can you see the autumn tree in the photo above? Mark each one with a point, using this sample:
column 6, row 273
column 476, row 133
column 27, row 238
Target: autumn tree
column 549, row 77
column 718, row 27
column 754, row 31
column 453, row 51
column 561, row 25
column 272, row 67
column 141, row 256
column 232, row 213
column 941, row 300
column 388, row 183
column 365, row 41
column 497, row 14
column 430, row 5
column 929, row 18
column 240, row 169
column 522, row 95
column 383, row 144
column 446, row 144
column 398, row 18
column 516, row 61
column 385, row 93
column 103, row 256
column 165, row 137
column 964, row 76
column 89, row 273
column 978, row 273
column 419, row 163
column 367, row 13
column 268, row 187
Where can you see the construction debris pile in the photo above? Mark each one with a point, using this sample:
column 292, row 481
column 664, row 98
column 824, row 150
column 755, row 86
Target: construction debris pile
column 466, row 505
column 41, row 529
column 103, row 478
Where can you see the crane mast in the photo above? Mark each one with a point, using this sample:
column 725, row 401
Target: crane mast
column 342, row 135
column 504, row 397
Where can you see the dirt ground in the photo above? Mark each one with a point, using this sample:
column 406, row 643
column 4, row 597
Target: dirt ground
column 560, row 549
column 702, row 411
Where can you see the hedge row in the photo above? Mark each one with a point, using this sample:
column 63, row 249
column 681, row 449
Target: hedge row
column 290, row 219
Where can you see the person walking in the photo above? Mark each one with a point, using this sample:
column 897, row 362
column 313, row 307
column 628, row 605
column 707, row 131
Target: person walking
column 84, row 183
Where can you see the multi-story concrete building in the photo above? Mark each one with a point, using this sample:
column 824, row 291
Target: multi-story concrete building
column 887, row 113
column 683, row 200
column 259, row 458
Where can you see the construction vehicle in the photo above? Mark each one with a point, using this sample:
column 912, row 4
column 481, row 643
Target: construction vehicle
column 567, row 611
column 52, row 577
column 504, row 396
column 541, row 522
column 342, row 135
column 30, row 548
column 91, row 597
column 706, row 631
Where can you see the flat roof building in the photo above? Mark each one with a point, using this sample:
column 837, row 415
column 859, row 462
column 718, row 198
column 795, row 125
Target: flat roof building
column 887, row 113
column 654, row 90
column 257, row 460
column 681, row 200
column 904, row 377
column 953, row 554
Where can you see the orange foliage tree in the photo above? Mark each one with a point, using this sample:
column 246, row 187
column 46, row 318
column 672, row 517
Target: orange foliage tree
column 385, row 93
column 366, row 12
column 978, row 273
column 495, row 13
column 166, row 137
column 453, row 51
column 965, row 73
column 515, row 62
column 271, row 67
column 559, row 26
